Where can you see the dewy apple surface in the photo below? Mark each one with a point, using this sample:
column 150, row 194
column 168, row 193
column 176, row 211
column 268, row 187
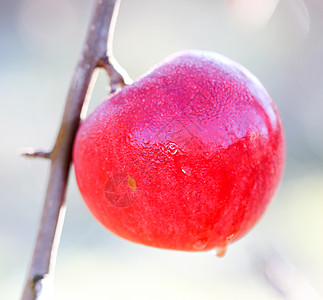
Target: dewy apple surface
column 186, row 158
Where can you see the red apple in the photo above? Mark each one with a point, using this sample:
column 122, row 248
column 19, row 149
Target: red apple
column 186, row 158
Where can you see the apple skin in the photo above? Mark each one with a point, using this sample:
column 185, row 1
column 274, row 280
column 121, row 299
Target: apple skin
column 186, row 158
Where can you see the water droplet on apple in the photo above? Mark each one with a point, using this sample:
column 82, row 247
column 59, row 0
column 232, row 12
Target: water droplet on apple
column 206, row 154
column 186, row 170
column 200, row 244
column 172, row 148
column 230, row 237
column 254, row 135
column 221, row 251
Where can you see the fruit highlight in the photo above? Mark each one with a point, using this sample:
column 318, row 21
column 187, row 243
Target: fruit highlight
column 186, row 158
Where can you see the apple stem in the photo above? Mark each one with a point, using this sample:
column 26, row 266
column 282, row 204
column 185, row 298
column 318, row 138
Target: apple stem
column 97, row 52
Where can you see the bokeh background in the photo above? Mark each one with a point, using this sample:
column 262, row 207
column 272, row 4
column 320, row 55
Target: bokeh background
column 279, row 41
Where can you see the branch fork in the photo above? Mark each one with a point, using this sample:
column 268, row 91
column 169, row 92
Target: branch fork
column 118, row 76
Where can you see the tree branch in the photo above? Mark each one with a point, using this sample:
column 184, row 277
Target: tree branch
column 97, row 49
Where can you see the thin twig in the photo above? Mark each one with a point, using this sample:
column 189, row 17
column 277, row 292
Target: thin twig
column 284, row 277
column 30, row 152
column 97, row 46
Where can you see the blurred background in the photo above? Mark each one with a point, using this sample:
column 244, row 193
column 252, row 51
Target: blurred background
column 279, row 41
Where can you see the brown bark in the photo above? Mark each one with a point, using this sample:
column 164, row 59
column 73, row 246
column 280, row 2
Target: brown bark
column 97, row 52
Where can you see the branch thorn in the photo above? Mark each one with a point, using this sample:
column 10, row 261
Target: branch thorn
column 30, row 152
